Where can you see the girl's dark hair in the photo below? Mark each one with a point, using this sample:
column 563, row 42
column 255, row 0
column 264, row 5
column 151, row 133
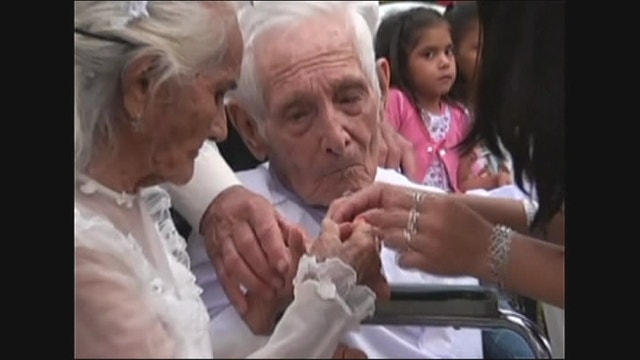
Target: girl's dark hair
column 461, row 16
column 521, row 94
column 397, row 36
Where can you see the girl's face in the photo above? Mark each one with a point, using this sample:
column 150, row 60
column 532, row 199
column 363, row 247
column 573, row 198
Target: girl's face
column 467, row 52
column 432, row 66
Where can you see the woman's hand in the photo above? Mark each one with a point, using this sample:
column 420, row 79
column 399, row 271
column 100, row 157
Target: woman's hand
column 432, row 232
column 357, row 246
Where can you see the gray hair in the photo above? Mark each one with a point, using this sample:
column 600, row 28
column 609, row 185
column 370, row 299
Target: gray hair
column 183, row 37
column 255, row 21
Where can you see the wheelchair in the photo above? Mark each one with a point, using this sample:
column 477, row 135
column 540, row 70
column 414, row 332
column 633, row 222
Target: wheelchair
column 455, row 306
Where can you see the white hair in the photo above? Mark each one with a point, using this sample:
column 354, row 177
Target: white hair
column 255, row 21
column 182, row 37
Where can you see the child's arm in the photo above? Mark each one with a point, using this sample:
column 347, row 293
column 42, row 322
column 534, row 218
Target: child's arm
column 470, row 178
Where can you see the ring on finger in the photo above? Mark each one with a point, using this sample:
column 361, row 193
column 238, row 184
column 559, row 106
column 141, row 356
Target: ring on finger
column 417, row 199
column 408, row 236
column 412, row 223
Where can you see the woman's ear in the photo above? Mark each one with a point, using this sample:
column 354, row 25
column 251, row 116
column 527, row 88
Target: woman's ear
column 136, row 87
column 248, row 130
column 384, row 78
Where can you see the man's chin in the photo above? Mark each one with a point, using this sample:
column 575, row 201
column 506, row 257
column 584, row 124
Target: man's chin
column 333, row 190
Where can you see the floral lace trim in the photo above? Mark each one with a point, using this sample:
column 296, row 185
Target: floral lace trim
column 158, row 203
column 336, row 280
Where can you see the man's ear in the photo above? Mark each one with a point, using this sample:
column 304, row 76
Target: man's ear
column 136, row 86
column 248, row 130
column 384, row 76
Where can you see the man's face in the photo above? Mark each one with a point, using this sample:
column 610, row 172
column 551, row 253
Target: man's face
column 322, row 113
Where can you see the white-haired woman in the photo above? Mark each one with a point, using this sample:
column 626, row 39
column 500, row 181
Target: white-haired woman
column 150, row 80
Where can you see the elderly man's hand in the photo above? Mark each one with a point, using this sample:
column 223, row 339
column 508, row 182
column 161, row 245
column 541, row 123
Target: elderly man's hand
column 262, row 313
column 395, row 152
column 357, row 245
column 244, row 241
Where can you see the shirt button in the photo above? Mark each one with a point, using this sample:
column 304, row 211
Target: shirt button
column 430, row 149
column 442, row 152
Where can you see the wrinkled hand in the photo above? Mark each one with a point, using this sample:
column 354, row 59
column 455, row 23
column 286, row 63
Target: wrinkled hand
column 357, row 246
column 346, row 352
column 395, row 152
column 261, row 312
column 245, row 243
column 451, row 238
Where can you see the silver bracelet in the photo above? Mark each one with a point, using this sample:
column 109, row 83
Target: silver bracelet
column 499, row 251
column 530, row 210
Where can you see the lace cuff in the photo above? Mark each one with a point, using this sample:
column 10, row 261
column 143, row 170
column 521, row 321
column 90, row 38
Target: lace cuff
column 333, row 279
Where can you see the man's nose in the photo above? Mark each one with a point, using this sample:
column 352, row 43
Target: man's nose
column 335, row 137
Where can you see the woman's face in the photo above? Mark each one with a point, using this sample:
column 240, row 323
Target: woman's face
column 467, row 52
column 181, row 116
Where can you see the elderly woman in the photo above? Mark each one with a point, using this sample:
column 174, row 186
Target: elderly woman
column 150, row 79
column 523, row 52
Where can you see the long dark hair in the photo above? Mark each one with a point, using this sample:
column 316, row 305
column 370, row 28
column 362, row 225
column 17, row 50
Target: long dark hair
column 397, row 36
column 520, row 98
column 461, row 16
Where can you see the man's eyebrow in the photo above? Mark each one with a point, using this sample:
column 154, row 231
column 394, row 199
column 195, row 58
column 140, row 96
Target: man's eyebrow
column 350, row 83
column 292, row 99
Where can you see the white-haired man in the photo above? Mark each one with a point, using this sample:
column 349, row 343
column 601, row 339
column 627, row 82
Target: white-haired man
column 310, row 101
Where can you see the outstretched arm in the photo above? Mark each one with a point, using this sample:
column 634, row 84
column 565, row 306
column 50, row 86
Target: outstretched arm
column 535, row 269
column 511, row 213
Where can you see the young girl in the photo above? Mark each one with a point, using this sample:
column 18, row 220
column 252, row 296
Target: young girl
column 478, row 168
column 418, row 45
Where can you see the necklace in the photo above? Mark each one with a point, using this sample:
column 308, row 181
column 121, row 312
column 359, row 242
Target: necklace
column 89, row 186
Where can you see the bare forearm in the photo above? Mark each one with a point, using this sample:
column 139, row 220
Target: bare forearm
column 511, row 213
column 535, row 269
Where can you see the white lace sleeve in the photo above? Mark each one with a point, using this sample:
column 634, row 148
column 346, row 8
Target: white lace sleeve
column 327, row 304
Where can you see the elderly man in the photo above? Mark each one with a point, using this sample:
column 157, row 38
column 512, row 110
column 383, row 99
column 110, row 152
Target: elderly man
column 309, row 99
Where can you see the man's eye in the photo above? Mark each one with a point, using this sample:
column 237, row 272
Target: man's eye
column 350, row 99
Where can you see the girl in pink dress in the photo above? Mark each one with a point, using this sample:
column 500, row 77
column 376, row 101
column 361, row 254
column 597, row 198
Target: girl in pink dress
column 418, row 45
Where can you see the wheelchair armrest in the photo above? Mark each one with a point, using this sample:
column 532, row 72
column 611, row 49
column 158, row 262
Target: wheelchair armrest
column 455, row 306
column 415, row 303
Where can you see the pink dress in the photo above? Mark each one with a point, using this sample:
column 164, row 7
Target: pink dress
column 434, row 138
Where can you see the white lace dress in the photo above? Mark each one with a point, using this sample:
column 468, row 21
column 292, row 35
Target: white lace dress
column 137, row 298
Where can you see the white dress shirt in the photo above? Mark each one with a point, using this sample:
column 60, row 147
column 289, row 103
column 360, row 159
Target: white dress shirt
column 212, row 175
column 375, row 341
